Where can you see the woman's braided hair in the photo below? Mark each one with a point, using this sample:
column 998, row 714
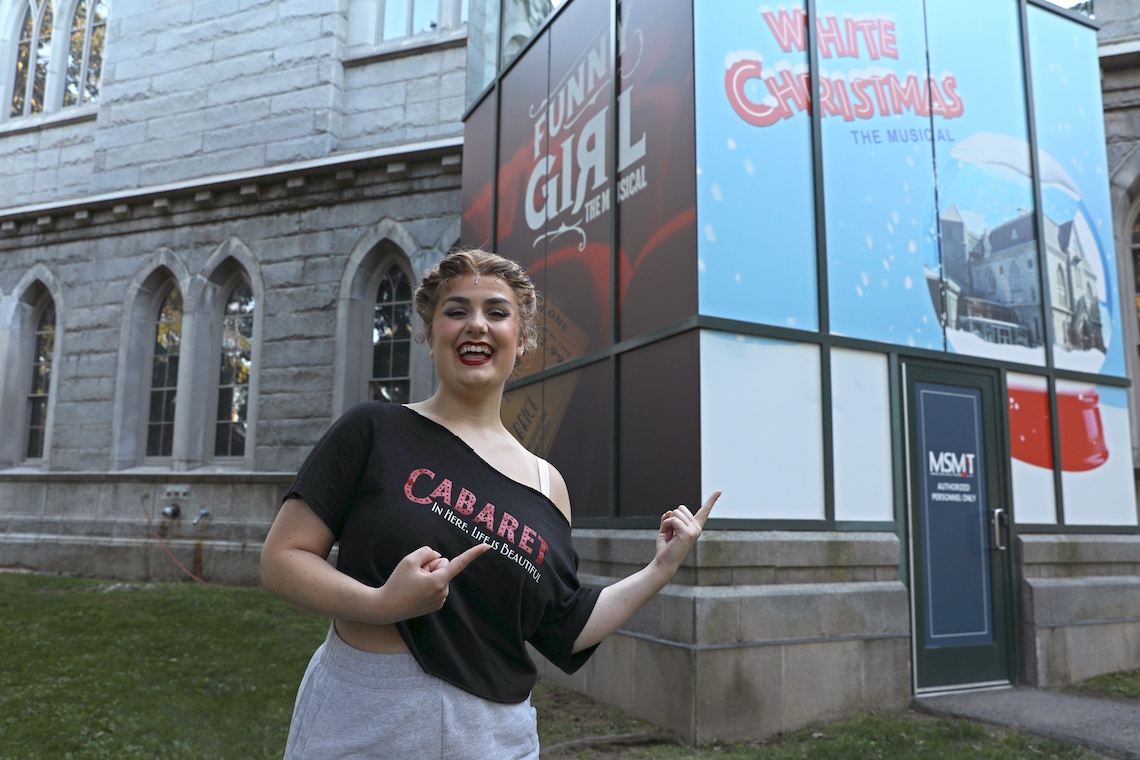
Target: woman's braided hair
column 480, row 263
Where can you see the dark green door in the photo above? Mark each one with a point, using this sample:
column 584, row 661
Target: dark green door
column 962, row 600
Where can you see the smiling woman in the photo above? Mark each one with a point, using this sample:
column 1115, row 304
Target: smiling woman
column 426, row 634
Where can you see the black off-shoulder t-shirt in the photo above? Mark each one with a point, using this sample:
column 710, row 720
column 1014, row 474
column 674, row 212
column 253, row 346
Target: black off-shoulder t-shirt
column 387, row 480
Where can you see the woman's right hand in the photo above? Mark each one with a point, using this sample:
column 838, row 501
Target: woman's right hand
column 420, row 582
column 294, row 567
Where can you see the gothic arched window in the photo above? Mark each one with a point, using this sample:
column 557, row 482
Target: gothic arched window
column 43, row 354
column 85, row 53
column 33, row 54
column 392, row 338
column 236, row 365
column 164, row 375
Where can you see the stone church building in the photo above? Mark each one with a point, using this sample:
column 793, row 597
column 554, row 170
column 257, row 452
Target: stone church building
column 211, row 222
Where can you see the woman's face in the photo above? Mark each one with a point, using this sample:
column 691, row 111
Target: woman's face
column 475, row 337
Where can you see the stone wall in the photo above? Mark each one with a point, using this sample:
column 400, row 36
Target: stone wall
column 227, row 137
column 191, row 90
column 190, row 87
column 1080, row 606
column 761, row 632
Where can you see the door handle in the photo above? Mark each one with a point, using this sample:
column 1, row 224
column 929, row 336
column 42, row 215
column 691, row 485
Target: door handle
column 999, row 522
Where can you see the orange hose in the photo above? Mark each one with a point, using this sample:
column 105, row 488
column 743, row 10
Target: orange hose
column 189, row 574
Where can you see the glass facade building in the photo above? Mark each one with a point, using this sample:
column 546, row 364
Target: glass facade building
column 850, row 261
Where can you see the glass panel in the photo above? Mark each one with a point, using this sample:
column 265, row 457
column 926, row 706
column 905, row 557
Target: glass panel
column 158, row 372
column 95, row 54
column 75, row 55
column 987, row 250
column 781, row 422
column 38, row 415
column 660, row 427
column 228, row 372
column 240, row 300
column 164, row 374
column 42, row 357
column 479, row 169
column 1097, row 480
column 35, row 443
column 403, row 289
column 1083, row 7
column 222, row 434
column 168, row 406
column 391, row 336
column 861, row 436
column 402, row 320
column 43, row 58
column 226, row 404
column 23, row 61
column 156, row 406
column 482, row 49
column 1031, row 449
column 756, row 234
column 382, row 324
column 654, row 190
column 425, row 16
column 154, row 440
column 569, row 191
column 41, row 379
column 390, row 391
column 237, row 439
column 382, row 360
column 1085, row 311
column 395, row 19
column 521, row 154
column 578, row 435
column 879, row 165
column 236, row 361
column 241, row 404
column 401, row 356
column 520, row 19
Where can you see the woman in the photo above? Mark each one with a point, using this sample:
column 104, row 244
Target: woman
column 426, row 654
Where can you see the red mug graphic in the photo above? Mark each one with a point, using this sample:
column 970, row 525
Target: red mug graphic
column 1082, row 432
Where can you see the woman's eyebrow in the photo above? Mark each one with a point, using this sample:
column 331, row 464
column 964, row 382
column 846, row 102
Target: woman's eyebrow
column 465, row 301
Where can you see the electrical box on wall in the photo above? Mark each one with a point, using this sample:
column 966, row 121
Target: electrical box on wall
column 176, row 490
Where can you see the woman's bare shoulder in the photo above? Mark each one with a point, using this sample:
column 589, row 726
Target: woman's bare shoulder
column 559, row 493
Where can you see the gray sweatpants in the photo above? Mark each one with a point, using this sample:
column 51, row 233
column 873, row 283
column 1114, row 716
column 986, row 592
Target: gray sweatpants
column 356, row 704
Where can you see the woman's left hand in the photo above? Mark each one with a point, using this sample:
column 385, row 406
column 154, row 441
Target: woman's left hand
column 679, row 531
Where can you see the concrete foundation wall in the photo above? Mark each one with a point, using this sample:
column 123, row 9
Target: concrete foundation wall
column 760, row 633
column 96, row 525
column 1080, row 607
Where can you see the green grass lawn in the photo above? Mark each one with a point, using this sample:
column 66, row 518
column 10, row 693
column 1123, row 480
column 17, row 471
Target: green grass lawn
column 95, row 669
column 1115, row 685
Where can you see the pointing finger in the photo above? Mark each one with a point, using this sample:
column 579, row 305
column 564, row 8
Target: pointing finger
column 457, row 565
column 703, row 513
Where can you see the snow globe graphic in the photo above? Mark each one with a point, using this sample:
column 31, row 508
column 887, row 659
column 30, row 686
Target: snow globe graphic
column 982, row 243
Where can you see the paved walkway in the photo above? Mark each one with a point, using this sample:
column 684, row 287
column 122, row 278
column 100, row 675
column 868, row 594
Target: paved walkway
column 1107, row 726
